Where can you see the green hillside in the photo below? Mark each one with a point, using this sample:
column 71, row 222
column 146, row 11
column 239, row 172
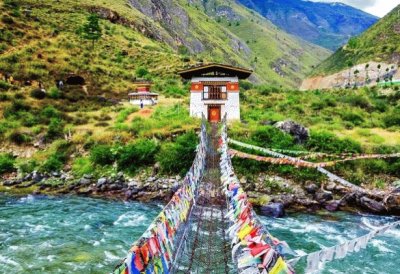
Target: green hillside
column 39, row 41
column 380, row 43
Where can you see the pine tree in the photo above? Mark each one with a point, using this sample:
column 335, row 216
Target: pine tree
column 91, row 30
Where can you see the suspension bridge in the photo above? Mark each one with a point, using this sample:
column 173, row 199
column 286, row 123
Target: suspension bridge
column 209, row 226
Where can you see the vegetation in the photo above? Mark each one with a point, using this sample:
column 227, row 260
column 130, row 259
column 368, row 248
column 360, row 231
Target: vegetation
column 380, row 43
column 177, row 157
column 6, row 163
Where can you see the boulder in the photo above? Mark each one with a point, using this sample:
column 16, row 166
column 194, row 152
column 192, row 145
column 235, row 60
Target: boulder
column 84, row 182
column 332, row 205
column 101, row 181
column 372, row 205
column 392, row 202
column 323, row 196
column 37, row 177
column 299, row 132
column 275, row 210
column 311, row 188
column 115, row 187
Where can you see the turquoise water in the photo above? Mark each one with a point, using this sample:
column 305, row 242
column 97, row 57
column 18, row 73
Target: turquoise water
column 308, row 233
column 68, row 235
column 83, row 235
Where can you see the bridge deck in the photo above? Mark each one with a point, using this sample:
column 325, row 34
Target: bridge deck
column 207, row 248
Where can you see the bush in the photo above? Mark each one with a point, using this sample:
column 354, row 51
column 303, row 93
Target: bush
column 102, row 155
column 18, row 138
column 54, row 93
column 16, row 106
column 49, row 112
column 27, row 166
column 268, row 136
column 53, row 163
column 175, row 91
column 38, row 94
column 392, row 119
column 55, row 129
column 323, row 141
column 141, row 72
column 138, row 154
column 6, row 163
column 358, row 101
column 82, row 166
column 4, row 85
column 353, row 117
column 178, row 157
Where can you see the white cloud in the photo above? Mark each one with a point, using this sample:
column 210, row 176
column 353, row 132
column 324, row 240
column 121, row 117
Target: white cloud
column 377, row 7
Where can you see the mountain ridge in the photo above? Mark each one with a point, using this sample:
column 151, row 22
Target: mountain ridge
column 379, row 44
column 161, row 36
column 326, row 24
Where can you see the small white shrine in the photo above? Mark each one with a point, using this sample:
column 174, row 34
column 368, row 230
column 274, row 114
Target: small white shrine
column 215, row 91
column 143, row 95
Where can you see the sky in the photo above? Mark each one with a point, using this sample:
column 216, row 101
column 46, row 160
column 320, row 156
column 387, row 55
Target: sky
column 376, row 7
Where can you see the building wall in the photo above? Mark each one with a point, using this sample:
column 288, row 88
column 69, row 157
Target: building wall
column 146, row 102
column 231, row 106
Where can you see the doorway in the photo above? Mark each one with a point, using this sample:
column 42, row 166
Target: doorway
column 214, row 113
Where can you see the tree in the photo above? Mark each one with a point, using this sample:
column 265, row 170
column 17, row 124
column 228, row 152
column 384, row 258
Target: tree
column 91, row 30
column 379, row 73
column 349, row 65
column 366, row 74
column 356, row 72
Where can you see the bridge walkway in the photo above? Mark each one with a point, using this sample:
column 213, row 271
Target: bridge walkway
column 207, row 247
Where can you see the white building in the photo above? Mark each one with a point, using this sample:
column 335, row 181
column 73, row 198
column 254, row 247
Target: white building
column 215, row 91
column 143, row 96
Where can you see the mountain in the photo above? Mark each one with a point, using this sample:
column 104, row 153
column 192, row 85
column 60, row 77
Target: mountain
column 379, row 44
column 329, row 25
column 39, row 41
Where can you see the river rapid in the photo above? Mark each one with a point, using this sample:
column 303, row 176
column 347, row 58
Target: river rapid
column 85, row 235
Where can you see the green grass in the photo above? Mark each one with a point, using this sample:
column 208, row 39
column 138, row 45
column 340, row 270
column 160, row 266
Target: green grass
column 380, row 43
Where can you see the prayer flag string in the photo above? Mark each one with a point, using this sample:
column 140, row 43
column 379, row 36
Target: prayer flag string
column 340, row 251
column 254, row 249
column 156, row 249
column 300, row 163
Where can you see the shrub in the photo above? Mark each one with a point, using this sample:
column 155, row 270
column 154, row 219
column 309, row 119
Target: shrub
column 323, row 141
column 4, row 85
column 38, row 94
column 102, row 155
column 18, row 137
column 358, row 101
column 53, row 163
column 16, row 106
column 177, row 157
column 7, row 162
column 392, row 119
column 175, row 91
column 54, row 93
column 27, row 166
column 55, row 129
column 137, row 154
column 82, row 166
column 141, row 72
column 49, row 112
column 268, row 136
column 352, row 117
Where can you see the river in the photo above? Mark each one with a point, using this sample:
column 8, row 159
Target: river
column 84, row 235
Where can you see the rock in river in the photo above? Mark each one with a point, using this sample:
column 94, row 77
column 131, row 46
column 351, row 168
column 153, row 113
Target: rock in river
column 273, row 210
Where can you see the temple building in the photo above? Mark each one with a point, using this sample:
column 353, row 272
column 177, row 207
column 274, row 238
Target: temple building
column 215, row 91
column 143, row 95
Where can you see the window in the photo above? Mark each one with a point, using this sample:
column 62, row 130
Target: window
column 215, row 92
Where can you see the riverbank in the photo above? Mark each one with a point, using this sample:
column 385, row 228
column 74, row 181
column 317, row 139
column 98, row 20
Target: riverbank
column 271, row 195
